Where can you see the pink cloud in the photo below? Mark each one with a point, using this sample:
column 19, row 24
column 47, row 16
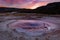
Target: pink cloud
column 24, row 3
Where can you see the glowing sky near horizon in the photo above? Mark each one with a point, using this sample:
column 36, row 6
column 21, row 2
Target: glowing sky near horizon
column 31, row 4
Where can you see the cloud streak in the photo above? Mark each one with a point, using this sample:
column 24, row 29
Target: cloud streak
column 25, row 3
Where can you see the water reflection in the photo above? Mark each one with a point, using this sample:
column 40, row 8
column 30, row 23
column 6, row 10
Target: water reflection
column 32, row 27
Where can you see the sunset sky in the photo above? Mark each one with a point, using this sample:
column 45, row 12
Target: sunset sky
column 29, row 4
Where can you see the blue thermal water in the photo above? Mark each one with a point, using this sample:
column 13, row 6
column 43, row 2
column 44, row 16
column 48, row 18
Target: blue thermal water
column 45, row 25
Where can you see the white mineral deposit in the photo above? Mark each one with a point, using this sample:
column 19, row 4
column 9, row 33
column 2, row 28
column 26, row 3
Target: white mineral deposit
column 47, row 28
